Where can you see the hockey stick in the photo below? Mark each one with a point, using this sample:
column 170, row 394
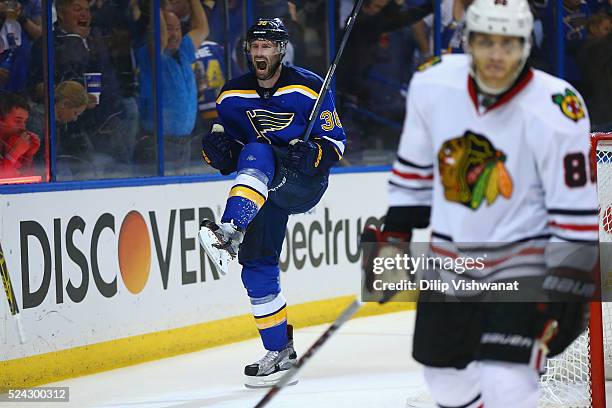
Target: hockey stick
column 292, row 372
column 332, row 68
column 10, row 295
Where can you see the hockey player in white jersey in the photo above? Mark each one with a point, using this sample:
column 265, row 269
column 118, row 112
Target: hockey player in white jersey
column 493, row 153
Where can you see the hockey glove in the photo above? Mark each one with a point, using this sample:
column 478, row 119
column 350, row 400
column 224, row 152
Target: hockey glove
column 561, row 323
column 379, row 246
column 303, row 156
column 216, row 148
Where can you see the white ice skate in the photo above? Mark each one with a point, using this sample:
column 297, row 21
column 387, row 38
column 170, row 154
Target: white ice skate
column 267, row 371
column 220, row 242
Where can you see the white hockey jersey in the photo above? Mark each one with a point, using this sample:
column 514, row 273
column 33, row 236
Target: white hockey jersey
column 516, row 171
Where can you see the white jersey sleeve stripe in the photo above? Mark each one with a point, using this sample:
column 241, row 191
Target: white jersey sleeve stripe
column 409, row 187
column 412, row 176
column 575, row 227
column 402, row 168
column 400, row 196
column 411, row 184
column 408, row 163
column 563, row 211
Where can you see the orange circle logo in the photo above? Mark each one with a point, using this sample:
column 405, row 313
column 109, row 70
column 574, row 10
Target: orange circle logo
column 134, row 252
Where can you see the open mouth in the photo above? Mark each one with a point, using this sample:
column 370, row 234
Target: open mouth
column 261, row 65
column 83, row 24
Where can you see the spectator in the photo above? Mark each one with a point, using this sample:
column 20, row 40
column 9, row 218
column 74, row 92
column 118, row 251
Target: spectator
column 378, row 16
column 452, row 16
column 17, row 145
column 210, row 78
column 178, row 84
column 71, row 100
column 232, row 41
column 114, row 20
column 599, row 26
column 287, row 9
column 575, row 15
column 182, row 9
column 107, row 132
column 21, row 26
column 595, row 63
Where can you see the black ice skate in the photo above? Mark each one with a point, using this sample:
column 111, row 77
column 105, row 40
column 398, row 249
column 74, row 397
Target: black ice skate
column 267, row 371
column 221, row 242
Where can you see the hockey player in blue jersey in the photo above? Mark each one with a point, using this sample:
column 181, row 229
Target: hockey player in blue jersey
column 262, row 118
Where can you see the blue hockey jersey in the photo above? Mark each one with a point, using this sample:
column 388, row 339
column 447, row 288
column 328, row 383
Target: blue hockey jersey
column 280, row 114
column 209, row 68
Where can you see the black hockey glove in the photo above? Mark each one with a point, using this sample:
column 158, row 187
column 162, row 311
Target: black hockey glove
column 378, row 247
column 217, row 150
column 561, row 323
column 303, row 157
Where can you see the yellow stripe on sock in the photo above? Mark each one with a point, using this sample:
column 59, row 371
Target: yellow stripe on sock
column 271, row 321
column 249, row 194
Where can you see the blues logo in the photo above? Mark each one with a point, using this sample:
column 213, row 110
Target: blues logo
column 264, row 122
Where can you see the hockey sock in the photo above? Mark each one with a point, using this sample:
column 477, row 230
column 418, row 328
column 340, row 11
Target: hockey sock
column 452, row 387
column 270, row 315
column 509, row 385
column 248, row 194
column 250, row 190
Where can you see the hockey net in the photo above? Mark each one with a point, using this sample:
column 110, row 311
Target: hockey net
column 576, row 378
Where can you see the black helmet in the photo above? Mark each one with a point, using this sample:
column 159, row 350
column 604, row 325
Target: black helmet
column 271, row 29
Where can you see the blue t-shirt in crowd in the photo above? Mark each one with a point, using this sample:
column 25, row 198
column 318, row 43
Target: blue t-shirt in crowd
column 178, row 87
column 210, row 77
column 22, row 56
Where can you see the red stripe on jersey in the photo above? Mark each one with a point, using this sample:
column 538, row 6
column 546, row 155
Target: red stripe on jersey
column 575, row 227
column 412, row 176
column 472, row 91
column 493, row 262
column 518, row 87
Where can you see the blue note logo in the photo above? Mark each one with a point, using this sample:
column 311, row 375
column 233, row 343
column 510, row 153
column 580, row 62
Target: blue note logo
column 264, row 122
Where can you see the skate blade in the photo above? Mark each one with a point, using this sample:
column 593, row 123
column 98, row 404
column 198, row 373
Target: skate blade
column 219, row 257
column 268, row 381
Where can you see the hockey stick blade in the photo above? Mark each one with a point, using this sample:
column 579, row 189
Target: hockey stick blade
column 10, row 296
column 292, row 372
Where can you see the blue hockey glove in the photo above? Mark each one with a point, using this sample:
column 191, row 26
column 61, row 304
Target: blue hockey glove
column 216, row 148
column 303, row 157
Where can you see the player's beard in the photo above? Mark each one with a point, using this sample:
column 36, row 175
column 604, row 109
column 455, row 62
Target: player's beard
column 265, row 70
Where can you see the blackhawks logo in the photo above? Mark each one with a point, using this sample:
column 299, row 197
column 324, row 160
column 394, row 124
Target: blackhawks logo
column 472, row 171
column 570, row 105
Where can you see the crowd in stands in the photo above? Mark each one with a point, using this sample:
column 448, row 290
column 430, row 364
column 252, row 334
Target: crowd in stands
column 393, row 46
column 104, row 100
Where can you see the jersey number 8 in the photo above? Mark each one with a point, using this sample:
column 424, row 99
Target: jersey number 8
column 575, row 169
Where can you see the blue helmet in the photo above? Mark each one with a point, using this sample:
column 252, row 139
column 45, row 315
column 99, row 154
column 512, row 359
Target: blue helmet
column 271, row 29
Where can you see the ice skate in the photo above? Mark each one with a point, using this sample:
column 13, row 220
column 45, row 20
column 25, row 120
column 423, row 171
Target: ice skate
column 267, row 371
column 221, row 243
